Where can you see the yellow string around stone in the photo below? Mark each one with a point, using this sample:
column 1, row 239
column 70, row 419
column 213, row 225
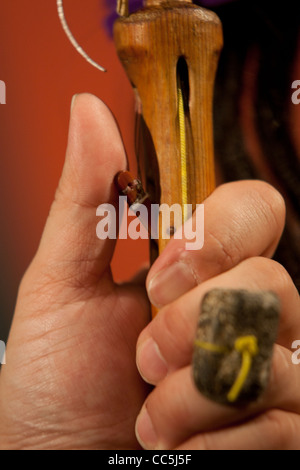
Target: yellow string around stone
column 248, row 347
column 183, row 152
column 211, row 347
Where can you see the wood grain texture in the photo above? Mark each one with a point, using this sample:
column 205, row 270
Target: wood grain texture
column 151, row 43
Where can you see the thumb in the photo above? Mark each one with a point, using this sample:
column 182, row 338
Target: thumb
column 70, row 252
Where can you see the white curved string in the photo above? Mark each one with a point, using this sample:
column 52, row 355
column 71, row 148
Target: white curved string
column 61, row 15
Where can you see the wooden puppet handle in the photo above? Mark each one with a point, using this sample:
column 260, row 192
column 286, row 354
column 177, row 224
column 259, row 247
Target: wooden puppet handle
column 170, row 51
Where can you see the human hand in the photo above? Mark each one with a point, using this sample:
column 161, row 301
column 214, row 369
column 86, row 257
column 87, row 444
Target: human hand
column 70, row 380
column 243, row 224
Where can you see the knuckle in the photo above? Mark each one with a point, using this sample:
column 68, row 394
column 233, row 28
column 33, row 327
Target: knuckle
column 271, row 204
column 263, row 198
column 226, row 253
column 271, row 269
column 282, row 280
column 280, row 372
column 283, row 371
column 271, row 194
column 283, row 427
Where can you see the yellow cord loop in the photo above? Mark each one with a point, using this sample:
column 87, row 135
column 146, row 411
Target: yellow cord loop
column 183, row 151
column 248, row 347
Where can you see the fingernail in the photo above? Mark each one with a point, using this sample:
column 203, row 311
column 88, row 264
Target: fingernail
column 150, row 362
column 144, row 430
column 73, row 102
column 170, row 283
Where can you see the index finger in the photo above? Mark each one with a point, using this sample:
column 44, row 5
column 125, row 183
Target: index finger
column 242, row 220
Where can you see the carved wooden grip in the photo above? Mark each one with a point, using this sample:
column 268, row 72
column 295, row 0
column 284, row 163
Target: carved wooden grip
column 162, row 48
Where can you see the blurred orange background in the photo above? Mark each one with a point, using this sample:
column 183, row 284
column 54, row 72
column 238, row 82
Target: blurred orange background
column 42, row 71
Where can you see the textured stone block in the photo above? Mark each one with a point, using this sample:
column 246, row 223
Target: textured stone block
column 234, row 345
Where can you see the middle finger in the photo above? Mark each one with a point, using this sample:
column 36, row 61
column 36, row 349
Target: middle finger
column 166, row 344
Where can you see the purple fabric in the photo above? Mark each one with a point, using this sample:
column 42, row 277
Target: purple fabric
column 136, row 4
column 112, row 15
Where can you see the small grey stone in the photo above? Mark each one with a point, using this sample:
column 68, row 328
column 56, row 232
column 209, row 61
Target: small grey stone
column 227, row 315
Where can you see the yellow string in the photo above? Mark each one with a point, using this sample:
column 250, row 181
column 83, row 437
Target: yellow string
column 183, row 152
column 248, row 347
column 211, row 347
